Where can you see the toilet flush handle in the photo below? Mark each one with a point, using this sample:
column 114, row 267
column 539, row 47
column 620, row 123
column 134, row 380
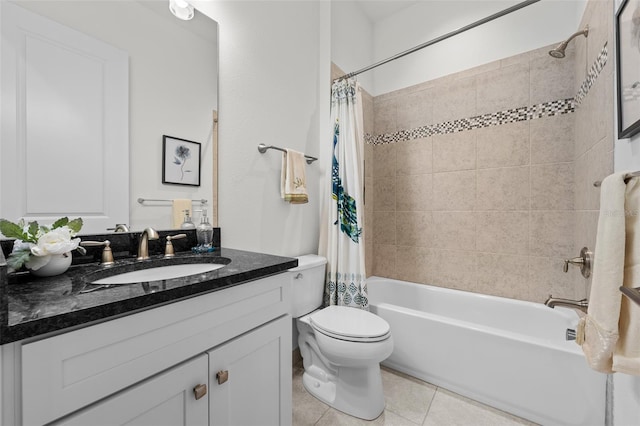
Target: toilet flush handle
column 298, row 276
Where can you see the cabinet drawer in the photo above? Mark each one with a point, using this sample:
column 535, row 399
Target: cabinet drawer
column 64, row 373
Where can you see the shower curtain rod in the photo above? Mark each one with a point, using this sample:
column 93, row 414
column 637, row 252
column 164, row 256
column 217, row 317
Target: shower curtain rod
column 441, row 38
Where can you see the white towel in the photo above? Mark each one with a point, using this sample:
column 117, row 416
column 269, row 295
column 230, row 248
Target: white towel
column 626, row 356
column 293, row 187
column 179, row 205
column 604, row 337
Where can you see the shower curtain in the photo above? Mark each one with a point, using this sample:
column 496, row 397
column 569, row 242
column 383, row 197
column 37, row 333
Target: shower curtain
column 341, row 239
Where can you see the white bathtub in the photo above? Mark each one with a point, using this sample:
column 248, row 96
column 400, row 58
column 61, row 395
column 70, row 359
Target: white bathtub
column 509, row 354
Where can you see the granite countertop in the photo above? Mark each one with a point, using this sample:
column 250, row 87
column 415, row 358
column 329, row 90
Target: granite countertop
column 35, row 306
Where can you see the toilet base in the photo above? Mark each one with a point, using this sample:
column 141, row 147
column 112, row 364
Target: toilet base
column 354, row 391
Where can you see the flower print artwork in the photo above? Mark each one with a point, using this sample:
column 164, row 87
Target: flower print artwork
column 182, row 155
column 181, row 161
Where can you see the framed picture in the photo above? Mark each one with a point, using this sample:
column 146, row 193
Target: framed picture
column 180, row 161
column 628, row 63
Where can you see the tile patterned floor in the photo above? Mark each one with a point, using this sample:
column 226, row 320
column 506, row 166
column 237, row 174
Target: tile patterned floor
column 409, row 402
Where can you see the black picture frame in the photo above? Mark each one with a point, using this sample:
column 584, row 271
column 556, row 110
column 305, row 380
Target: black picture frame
column 180, row 161
column 628, row 68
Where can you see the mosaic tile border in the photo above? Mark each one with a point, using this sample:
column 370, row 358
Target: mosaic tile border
column 545, row 109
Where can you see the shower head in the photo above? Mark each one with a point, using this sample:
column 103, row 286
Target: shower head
column 558, row 52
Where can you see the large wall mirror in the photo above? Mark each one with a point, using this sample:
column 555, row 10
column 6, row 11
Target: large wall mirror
column 89, row 88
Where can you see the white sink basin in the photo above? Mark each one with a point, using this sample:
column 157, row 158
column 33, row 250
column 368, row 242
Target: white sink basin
column 159, row 273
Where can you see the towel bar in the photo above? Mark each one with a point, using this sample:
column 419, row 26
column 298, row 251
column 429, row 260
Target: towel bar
column 627, row 177
column 263, row 148
column 632, row 293
column 142, row 200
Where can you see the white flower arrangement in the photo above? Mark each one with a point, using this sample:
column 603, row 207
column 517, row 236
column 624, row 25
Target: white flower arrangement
column 35, row 244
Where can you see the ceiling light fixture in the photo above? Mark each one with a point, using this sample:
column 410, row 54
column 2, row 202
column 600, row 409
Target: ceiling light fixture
column 181, row 9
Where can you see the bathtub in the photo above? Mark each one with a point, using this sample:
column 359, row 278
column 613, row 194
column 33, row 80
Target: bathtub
column 509, row 354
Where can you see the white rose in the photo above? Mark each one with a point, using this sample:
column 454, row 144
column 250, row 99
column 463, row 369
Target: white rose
column 56, row 241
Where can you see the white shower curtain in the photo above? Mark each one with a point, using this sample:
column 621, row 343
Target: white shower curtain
column 341, row 228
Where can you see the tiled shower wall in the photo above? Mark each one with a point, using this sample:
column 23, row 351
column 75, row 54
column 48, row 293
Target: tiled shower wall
column 494, row 209
column 594, row 129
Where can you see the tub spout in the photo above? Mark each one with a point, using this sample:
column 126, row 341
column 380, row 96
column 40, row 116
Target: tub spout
column 581, row 305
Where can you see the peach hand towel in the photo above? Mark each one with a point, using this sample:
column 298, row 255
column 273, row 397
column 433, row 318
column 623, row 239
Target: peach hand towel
column 179, row 205
column 293, row 188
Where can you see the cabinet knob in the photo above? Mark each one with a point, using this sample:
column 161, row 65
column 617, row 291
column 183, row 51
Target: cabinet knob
column 200, row 391
column 222, row 376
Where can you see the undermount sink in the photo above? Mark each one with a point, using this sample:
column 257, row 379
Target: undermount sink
column 159, row 273
column 159, row 269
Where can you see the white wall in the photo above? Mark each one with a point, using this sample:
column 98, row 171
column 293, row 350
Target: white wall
column 352, row 40
column 543, row 23
column 274, row 89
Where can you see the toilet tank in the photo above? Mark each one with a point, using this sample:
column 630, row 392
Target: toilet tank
column 307, row 284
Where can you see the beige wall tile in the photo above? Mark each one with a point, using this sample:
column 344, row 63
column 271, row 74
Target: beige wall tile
column 368, row 115
column 384, row 260
column 600, row 165
column 384, row 228
column 581, row 183
column 503, row 89
column 455, row 269
column 551, row 233
column 503, row 189
column 552, row 78
column 552, row 186
column 454, row 151
column 414, row 192
column 585, row 230
column 415, row 110
column 600, row 26
column 454, row 190
column 368, row 160
column 503, row 275
column 503, row 146
column 454, row 100
column 384, row 194
column 384, row 115
column 413, row 157
column 384, row 160
column 503, row 232
column 368, row 258
column 414, row 264
column 454, row 230
column 414, row 229
column 547, row 278
column 552, row 139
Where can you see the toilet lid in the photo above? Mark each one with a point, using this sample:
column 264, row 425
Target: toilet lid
column 352, row 324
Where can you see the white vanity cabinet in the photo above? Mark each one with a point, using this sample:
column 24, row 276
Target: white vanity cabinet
column 143, row 368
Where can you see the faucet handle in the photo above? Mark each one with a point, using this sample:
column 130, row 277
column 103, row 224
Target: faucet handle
column 168, row 249
column 583, row 261
column 107, row 254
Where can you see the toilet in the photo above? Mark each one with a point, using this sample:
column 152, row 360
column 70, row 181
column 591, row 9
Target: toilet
column 341, row 347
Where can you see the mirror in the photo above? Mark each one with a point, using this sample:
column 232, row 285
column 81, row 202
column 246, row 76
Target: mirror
column 171, row 90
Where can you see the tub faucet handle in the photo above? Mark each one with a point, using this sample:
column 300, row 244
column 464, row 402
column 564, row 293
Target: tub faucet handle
column 583, row 261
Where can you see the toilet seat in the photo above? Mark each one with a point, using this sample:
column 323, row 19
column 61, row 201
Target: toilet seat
column 351, row 324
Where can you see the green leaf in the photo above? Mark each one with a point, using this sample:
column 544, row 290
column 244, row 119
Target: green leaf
column 60, row 222
column 11, row 230
column 33, row 229
column 75, row 225
column 18, row 258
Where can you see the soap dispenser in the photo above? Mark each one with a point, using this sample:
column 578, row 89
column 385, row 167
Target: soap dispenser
column 204, row 232
column 187, row 224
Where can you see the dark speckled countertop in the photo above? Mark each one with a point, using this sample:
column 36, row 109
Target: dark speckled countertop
column 33, row 306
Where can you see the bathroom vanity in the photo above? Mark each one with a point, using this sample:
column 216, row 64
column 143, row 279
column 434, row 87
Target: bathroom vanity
column 211, row 349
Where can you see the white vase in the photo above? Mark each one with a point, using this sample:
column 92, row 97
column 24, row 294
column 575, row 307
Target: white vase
column 58, row 264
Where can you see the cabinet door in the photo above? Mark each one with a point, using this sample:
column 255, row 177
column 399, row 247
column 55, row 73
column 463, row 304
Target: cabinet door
column 257, row 386
column 166, row 399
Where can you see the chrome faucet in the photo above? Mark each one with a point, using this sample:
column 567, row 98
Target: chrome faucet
column 143, row 246
column 582, row 305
